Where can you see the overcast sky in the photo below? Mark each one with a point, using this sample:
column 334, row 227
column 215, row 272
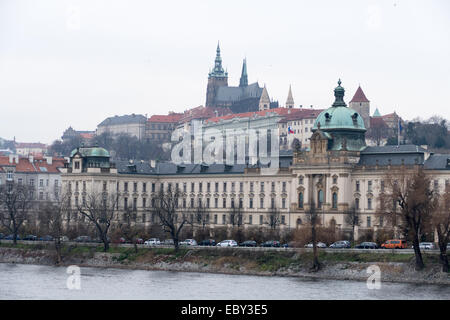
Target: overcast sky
column 74, row 63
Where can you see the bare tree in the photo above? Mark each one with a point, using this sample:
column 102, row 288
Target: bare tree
column 353, row 219
column 237, row 221
column 99, row 209
column 236, row 216
column 171, row 217
column 274, row 218
column 313, row 218
column 52, row 215
column 407, row 202
column 378, row 130
column 128, row 228
column 201, row 217
column 441, row 223
column 16, row 200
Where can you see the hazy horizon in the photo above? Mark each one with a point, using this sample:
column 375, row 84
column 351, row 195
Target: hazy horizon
column 75, row 63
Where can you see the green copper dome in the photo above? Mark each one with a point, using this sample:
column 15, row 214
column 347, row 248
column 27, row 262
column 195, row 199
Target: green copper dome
column 344, row 125
column 339, row 116
column 90, row 152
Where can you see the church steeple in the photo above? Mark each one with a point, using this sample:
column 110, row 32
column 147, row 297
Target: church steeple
column 264, row 101
column 290, row 99
column 243, row 82
column 217, row 78
column 218, row 69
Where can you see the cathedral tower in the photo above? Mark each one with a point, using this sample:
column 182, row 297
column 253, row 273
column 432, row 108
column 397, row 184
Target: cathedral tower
column 361, row 104
column 216, row 78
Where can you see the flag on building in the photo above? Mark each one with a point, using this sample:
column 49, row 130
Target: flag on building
column 290, row 130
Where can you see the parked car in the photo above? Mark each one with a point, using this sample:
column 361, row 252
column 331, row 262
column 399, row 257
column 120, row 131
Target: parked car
column 427, row 245
column 448, row 246
column 139, row 241
column 367, row 245
column 117, row 240
column 318, row 245
column 168, row 242
column 30, row 237
column 340, row 244
column 248, row 243
column 189, row 242
column 11, row 237
column 46, row 238
column 271, row 243
column 152, row 242
column 83, row 239
column 207, row 242
column 394, row 244
column 64, row 238
column 227, row 243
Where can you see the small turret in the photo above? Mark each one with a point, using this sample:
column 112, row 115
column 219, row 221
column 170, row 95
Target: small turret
column 290, row 99
column 264, row 101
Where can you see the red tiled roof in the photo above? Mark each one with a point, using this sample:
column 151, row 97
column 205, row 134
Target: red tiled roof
column 202, row 113
column 299, row 114
column 389, row 115
column 377, row 122
column 25, row 165
column 87, row 135
column 169, row 118
column 30, row 145
column 359, row 96
column 279, row 111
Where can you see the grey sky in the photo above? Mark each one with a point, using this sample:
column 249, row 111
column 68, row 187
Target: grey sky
column 75, row 63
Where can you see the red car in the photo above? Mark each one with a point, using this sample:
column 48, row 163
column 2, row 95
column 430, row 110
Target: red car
column 139, row 241
column 120, row 240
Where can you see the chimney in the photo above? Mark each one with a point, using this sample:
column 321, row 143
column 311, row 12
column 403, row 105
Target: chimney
column 153, row 163
column 49, row 160
column 11, row 157
column 31, row 159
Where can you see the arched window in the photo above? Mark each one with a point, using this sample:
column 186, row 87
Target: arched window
column 300, row 200
column 335, row 200
column 299, row 222
column 320, row 198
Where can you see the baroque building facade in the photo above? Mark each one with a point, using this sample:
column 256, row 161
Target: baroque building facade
column 337, row 172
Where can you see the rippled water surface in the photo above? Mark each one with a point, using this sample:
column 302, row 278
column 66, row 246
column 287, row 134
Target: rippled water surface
column 43, row 282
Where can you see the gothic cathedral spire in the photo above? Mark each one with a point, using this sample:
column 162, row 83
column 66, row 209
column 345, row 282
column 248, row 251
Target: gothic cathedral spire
column 244, row 78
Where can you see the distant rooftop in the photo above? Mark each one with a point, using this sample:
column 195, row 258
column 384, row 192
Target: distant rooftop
column 128, row 118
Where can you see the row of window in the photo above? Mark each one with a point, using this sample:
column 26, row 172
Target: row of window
column 225, row 219
column 194, row 187
column 234, row 203
column 334, row 201
column 42, row 182
column 301, row 180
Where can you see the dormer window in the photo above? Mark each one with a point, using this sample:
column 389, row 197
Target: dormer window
column 77, row 164
column 355, row 117
column 327, row 116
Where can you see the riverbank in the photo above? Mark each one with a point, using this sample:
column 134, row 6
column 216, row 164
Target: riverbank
column 336, row 266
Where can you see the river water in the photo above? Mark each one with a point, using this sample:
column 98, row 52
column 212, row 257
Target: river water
column 18, row 281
